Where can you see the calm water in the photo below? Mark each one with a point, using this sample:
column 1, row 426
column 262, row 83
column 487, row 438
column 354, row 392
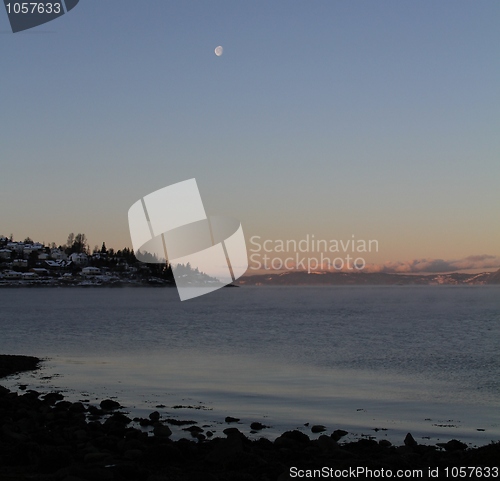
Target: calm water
column 395, row 359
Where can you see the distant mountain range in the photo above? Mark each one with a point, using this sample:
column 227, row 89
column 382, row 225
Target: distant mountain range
column 326, row 278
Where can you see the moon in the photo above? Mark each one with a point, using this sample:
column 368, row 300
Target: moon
column 219, row 51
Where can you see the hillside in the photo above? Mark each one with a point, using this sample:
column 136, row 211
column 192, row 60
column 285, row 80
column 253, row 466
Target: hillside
column 494, row 278
column 360, row 278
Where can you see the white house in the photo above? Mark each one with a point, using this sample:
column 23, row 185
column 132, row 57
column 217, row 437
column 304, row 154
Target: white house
column 29, row 248
column 12, row 275
column 58, row 255
column 79, row 259
column 91, row 271
column 30, row 276
column 40, row 271
column 20, row 263
column 16, row 246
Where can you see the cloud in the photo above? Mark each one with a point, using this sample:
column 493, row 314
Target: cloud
column 436, row 265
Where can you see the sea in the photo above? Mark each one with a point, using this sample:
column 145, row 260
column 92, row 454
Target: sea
column 375, row 361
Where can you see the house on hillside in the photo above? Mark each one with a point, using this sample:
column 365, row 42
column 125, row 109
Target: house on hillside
column 40, row 271
column 91, row 271
column 30, row 276
column 20, row 263
column 16, row 247
column 12, row 275
column 79, row 259
column 5, row 254
column 58, row 255
column 58, row 265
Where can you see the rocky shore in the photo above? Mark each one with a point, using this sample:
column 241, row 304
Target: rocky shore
column 14, row 364
column 45, row 437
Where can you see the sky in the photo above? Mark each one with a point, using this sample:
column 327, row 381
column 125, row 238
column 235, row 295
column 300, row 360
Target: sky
column 378, row 120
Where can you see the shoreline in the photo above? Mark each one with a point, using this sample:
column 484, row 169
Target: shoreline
column 13, row 364
column 43, row 434
column 166, row 284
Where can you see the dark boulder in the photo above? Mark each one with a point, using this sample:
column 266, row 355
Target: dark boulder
column 410, row 440
column 154, row 416
column 453, row 445
column 162, row 431
column 258, row 426
column 109, row 405
column 318, row 428
column 52, row 397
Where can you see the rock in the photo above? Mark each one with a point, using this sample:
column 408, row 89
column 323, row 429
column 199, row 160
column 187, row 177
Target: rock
column 119, row 418
column 194, row 429
column 296, row 436
column 109, row 405
column 177, row 422
column 291, row 439
column 53, row 397
column 54, row 458
column 94, row 473
column 13, row 436
column 133, row 454
column 162, row 431
column 236, row 439
column 410, row 440
column 258, row 426
column 11, row 364
column 81, row 435
column 318, row 428
column 453, row 445
column 225, row 449
column 77, row 407
column 326, row 443
column 4, row 391
column 338, row 433
column 154, row 416
column 63, row 406
column 95, row 411
column 230, row 419
column 92, row 458
column 230, row 431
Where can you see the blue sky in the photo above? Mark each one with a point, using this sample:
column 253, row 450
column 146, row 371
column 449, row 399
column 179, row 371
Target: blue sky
column 333, row 118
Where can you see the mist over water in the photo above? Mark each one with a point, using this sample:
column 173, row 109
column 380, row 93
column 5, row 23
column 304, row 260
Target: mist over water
column 399, row 358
